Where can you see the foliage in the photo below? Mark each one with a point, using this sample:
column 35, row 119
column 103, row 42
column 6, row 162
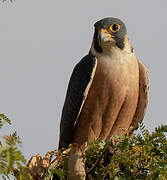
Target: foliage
column 12, row 161
column 127, row 157
column 59, row 165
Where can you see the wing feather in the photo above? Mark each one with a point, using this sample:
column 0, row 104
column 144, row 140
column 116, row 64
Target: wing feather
column 78, row 88
column 143, row 96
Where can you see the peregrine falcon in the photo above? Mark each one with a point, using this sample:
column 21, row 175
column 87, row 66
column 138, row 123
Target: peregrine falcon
column 108, row 90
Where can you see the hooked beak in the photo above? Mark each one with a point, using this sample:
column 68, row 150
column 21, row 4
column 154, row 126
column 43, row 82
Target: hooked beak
column 105, row 36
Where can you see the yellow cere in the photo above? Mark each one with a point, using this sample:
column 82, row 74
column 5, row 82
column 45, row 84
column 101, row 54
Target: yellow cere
column 104, row 31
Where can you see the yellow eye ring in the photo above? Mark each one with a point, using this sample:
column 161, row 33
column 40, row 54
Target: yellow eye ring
column 115, row 27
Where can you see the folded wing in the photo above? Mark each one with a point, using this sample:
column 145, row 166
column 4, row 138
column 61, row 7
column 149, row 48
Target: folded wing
column 78, row 88
column 143, row 96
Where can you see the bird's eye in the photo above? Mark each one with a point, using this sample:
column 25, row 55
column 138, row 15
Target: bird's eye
column 115, row 27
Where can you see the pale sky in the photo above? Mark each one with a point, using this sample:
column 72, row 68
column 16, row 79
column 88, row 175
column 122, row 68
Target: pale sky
column 40, row 43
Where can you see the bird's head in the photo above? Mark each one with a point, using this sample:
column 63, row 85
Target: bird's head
column 109, row 32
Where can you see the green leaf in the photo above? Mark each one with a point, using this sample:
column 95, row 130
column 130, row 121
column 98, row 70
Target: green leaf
column 5, row 119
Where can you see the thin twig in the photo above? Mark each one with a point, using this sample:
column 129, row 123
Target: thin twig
column 97, row 161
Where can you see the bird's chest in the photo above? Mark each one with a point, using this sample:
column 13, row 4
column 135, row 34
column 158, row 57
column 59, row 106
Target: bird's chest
column 113, row 93
column 115, row 75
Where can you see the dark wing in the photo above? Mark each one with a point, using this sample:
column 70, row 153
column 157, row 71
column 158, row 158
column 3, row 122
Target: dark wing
column 143, row 96
column 78, row 88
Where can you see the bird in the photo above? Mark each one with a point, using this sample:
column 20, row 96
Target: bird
column 107, row 91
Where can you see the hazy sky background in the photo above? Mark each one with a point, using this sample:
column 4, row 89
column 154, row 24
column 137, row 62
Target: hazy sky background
column 40, row 43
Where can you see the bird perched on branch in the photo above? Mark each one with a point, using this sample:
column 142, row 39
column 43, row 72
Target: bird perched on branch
column 108, row 90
